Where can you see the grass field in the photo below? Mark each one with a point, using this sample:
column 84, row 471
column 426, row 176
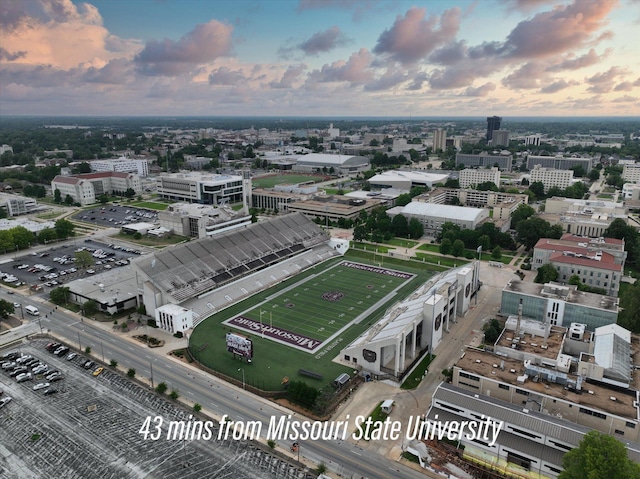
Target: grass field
column 273, row 361
column 271, row 181
column 151, row 205
column 321, row 305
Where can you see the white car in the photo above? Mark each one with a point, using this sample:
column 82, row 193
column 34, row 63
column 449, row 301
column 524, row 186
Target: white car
column 16, row 305
column 40, row 386
column 71, row 356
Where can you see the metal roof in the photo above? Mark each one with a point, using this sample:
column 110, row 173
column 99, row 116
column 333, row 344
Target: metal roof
column 445, row 212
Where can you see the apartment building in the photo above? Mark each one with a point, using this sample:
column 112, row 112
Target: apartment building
column 473, row 176
column 484, row 160
column 551, row 177
column 440, row 139
column 559, row 162
column 122, row 165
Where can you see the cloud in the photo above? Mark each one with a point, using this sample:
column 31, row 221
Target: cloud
column 5, row 55
column 626, row 99
column 205, row 43
column 324, row 41
column 413, row 37
column 603, row 82
column 225, row 76
column 289, row 77
column 525, row 77
column 449, row 54
column 458, row 76
column 574, row 63
column 418, row 81
column 482, row 90
column 558, row 85
column 116, row 72
column 64, row 11
column 637, row 82
column 355, row 70
column 624, row 86
column 526, row 5
column 562, row 29
column 390, row 78
column 359, row 7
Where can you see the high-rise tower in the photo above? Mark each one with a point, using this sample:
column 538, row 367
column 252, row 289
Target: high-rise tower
column 493, row 123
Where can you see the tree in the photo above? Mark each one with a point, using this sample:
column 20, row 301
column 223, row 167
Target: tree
column 458, row 248
column 131, row 373
column 496, row 253
column 161, row 388
column 6, row 308
column 594, row 175
column 130, row 193
column 546, row 273
column 599, row 456
column 87, row 350
column 537, row 187
column 619, row 229
column 22, row 237
column 57, row 196
column 84, row 167
column 59, row 295
column 416, row 230
column 113, row 363
column 492, row 330
column 68, row 200
column 197, row 407
column 103, row 199
column 403, row 199
column 400, row 226
column 46, row 235
column 531, row 230
column 450, row 183
column 90, row 307
column 446, row 246
column 359, row 233
column 65, row 229
column 521, row 213
column 485, row 242
column 84, row 259
column 174, row 394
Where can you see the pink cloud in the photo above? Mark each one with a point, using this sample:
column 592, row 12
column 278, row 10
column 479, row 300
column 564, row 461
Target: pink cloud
column 603, row 82
column 289, row 77
column 355, row 70
column 525, row 77
column 206, row 42
column 481, row 91
column 226, row 76
column 561, row 29
column 558, row 85
column 323, row 41
column 413, row 37
column 571, row 62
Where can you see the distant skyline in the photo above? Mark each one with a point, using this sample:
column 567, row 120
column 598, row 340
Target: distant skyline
column 320, row 58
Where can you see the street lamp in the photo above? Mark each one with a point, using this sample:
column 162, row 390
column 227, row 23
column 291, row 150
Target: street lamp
column 243, row 383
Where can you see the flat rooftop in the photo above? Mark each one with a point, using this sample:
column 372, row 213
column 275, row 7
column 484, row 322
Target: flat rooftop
column 591, row 300
column 532, row 342
column 488, row 365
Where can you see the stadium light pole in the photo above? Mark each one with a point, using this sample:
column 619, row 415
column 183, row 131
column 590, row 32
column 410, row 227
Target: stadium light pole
column 479, row 250
column 243, row 383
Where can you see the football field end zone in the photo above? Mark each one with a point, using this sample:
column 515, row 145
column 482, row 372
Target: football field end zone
column 300, row 341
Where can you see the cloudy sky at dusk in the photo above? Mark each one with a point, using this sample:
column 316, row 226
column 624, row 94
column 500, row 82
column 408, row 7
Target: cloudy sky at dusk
column 320, row 57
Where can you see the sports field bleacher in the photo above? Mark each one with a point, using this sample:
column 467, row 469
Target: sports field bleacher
column 193, row 268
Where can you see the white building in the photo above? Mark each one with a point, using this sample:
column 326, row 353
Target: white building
column 631, row 191
column 472, row 176
column 333, row 132
column 86, row 188
column 405, row 180
column 324, row 162
column 559, row 162
column 433, row 216
column 5, row 148
column 439, row 140
column 550, row 177
column 123, row 165
column 199, row 221
column 500, row 138
column 533, row 140
column 631, row 173
column 17, row 205
column 174, row 318
column 208, row 189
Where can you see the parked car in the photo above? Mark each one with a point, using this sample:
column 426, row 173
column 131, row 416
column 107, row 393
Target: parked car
column 71, row 356
column 24, row 377
column 39, row 386
column 4, row 401
column 50, row 391
column 98, row 371
column 89, row 364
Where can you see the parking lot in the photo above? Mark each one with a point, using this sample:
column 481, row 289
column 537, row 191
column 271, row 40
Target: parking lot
column 115, row 215
column 91, row 428
column 56, row 266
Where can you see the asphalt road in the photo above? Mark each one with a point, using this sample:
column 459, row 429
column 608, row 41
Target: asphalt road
column 216, row 397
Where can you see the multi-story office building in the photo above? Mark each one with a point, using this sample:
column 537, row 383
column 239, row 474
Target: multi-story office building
column 473, row 176
column 484, row 160
column 582, row 217
column 631, row 173
column 558, row 304
column 123, row 165
column 500, row 138
column 87, row 188
column 199, row 221
column 208, row 189
column 493, row 123
column 631, row 191
column 433, row 216
column 550, row 177
column 598, row 262
column 559, row 162
column 16, row 205
column 440, row 139
column 533, row 140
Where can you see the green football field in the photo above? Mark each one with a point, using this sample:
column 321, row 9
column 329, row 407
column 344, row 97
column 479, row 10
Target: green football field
column 274, row 360
column 318, row 307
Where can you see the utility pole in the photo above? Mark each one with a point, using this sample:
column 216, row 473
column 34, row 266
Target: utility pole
column 151, row 378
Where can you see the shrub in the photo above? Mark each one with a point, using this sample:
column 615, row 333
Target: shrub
column 161, row 388
column 197, row 407
column 174, row 394
column 271, row 443
column 87, row 350
column 113, row 363
column 131, row 373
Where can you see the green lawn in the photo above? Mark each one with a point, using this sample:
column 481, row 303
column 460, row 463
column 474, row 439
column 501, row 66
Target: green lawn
column 273, row 361
column 448, row 261
column 273, row 180
column 402, row 243
column 374, row 248
column 151, row 205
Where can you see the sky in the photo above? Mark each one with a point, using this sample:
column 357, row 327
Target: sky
column 341, row 58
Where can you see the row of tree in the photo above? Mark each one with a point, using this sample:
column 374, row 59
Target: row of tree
column 377, row 227
column 485, row 235
column 20, row 237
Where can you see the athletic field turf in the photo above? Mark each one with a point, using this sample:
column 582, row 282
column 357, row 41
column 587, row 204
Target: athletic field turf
column 314, row 310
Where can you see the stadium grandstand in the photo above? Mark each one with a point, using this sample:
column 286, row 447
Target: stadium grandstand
column 194, row 274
